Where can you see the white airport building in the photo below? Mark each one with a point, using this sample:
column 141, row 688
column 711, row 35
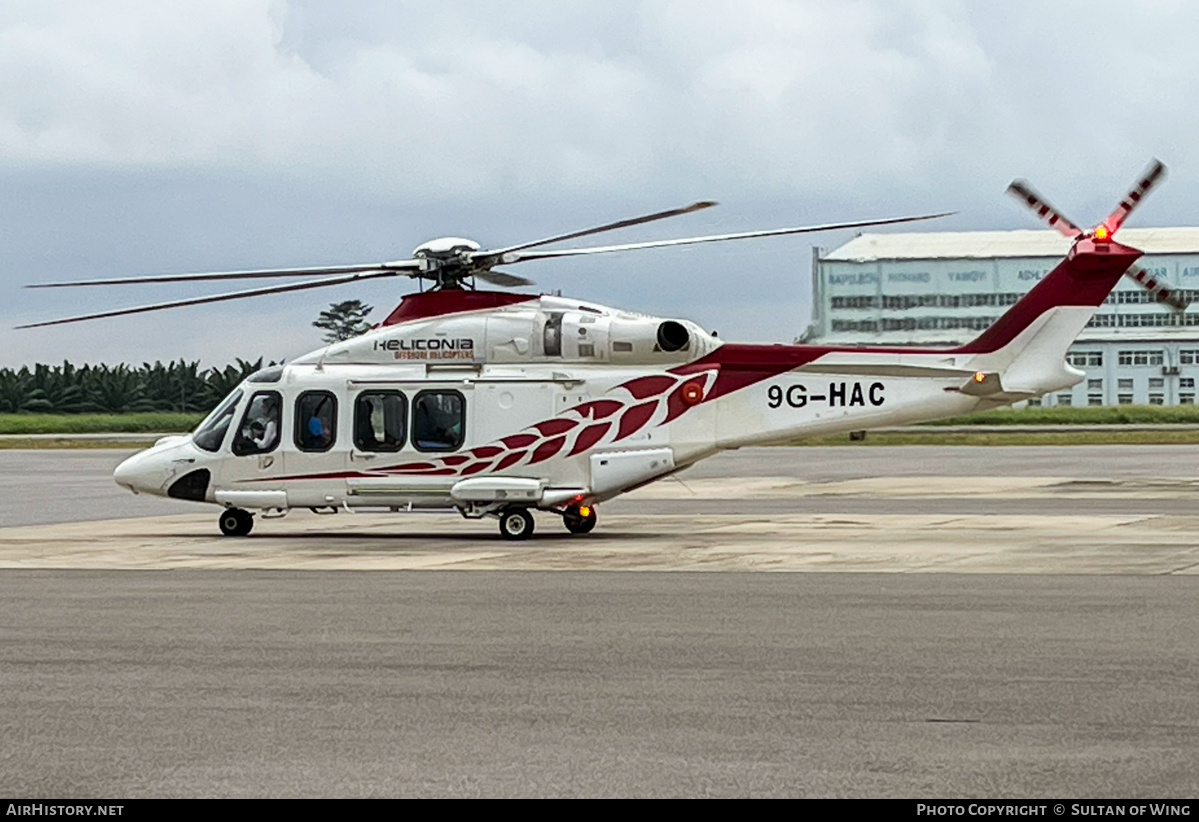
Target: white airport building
column 944, row 288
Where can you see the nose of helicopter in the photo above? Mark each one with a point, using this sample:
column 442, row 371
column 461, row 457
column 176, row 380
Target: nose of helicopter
column 143, row 473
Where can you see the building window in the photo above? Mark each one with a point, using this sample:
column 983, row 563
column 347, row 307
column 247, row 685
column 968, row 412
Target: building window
column 1124, row 384
column 1094, row 385
column 380, row 421
column 438, row 420
column 1156, row 382
column 1186, row 382
column 1124, row 399
column 1140, row 357
column 1034, row 402
column 1188, row 356
column 855, row 325
column 1186, row 399
column 1085, row 359
column 1126, row 297
column 1094, row 399
column 860, row 302
column 1065, row 399
column 1157, row 399
column 316, row 421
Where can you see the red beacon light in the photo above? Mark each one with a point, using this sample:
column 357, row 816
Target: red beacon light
column 1102, row 233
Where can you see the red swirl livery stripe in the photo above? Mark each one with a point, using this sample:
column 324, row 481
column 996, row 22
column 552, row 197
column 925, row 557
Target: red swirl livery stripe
column 628, row 409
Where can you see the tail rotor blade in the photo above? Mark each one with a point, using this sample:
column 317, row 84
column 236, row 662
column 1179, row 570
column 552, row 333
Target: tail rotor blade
column 1162, row 292
column 1021, row 190
column 1132, row 199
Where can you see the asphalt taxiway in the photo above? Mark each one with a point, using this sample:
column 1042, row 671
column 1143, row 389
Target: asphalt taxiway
column 988, row 622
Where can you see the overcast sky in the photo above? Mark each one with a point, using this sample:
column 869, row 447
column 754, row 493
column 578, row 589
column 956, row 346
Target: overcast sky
column 150, row 137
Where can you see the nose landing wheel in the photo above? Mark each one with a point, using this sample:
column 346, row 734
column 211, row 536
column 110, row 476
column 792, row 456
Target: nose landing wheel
column 579, row 519
column 235, row 522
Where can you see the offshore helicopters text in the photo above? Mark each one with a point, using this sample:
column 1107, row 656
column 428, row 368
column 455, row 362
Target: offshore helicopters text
column 839, row 393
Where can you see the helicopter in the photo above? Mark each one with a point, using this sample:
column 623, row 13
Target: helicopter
column 499, row 404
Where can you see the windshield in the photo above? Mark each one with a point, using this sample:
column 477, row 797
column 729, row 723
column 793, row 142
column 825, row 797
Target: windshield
column 211, row 432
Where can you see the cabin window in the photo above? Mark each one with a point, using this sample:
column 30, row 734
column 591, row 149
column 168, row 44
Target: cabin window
column 438, row 420
column 211, row 432
column 380, row 420
column 259, row 429
column 316, row 421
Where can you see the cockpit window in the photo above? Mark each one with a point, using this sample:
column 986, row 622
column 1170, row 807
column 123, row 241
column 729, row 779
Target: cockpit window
column 211, row 432
column 259, row 429
column 272, row 374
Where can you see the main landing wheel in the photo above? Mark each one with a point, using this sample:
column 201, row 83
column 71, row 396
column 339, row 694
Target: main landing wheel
column 235, row 522
column 579, row 519
column 516, row 523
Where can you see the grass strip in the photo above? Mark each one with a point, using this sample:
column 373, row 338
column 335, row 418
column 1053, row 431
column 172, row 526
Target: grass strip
column 20, row 444
column 1068, row 415
column 153, row 421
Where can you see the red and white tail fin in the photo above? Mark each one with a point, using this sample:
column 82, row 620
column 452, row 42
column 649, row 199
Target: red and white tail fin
column 1075, row 289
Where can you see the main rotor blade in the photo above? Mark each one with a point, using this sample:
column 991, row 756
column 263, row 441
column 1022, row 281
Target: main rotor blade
column 398, row 266
column 1021, row 190
column 215, row 298
column 496, row 254
column 520, row 256
column 1157, row 288
column 502, row 278
column 1149, row 179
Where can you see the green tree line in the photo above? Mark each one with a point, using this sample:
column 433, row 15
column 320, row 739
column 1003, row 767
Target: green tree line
column 117, row 389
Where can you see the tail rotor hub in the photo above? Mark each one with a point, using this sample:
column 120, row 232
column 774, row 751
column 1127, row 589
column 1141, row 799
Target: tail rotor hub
column 1104, row 233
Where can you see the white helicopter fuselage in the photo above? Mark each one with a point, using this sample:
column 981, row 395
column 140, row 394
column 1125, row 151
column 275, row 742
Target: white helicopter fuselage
column 484, row 402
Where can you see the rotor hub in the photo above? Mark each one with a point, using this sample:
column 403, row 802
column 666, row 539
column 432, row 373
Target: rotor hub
column 445, row 248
